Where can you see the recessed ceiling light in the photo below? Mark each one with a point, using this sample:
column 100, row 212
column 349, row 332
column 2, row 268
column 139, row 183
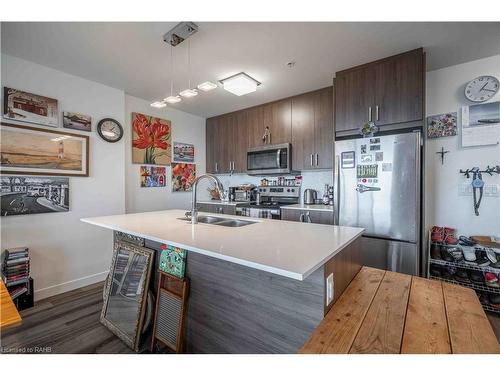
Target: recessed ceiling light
column 173, row 99
column 240, row 84
column 158, row 104
column 207, row 86
column 188, row 93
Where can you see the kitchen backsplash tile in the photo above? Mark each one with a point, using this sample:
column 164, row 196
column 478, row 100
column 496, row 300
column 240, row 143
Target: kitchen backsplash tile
column 310, row 180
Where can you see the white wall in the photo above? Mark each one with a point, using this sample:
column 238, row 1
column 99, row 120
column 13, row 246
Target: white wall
column 444, row 206
column 66, row 253
column 186, row 128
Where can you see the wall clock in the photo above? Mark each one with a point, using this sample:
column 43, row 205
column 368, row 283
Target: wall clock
column 110, row 130
column 481, row 88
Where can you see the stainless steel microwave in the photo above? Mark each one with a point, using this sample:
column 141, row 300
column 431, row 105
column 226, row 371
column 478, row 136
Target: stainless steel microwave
column 269, row 159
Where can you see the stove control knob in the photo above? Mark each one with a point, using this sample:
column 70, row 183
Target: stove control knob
column 287, row 190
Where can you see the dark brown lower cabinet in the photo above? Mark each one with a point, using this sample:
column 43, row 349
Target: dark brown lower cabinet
column 307, row 216
column 216, row 208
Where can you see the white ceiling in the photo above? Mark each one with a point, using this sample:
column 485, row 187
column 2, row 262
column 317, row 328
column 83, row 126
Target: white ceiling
column 133, row 56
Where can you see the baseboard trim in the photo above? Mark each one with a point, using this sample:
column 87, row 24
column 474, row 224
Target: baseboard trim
column 69, row 285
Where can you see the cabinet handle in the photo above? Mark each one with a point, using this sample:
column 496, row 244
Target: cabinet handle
column 233, row 167
column 369, row 113
column 312, row 160
column 317, row 160
column 301, row 218
column 377, row 113
column 216, row 167
column 308, row 217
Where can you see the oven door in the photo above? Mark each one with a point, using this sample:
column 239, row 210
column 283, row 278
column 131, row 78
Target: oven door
column 269, row 159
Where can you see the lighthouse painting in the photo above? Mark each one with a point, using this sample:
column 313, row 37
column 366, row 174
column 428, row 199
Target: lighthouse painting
column 42, row 151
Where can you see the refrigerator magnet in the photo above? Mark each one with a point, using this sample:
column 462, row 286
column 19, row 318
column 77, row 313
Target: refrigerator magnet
column 367, row 158
column 347, row 159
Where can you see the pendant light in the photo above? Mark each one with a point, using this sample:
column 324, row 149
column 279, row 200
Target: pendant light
column 172, row 99
column 189, row 92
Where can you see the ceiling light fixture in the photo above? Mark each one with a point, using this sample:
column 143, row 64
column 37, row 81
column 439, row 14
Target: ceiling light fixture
column 172, row 99
column 158, row 104
column 174, row 37
column 240, row 84
column 188, row 93
column 207, row 86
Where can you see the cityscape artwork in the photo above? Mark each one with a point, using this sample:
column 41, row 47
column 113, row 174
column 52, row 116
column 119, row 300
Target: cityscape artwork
column 183, row 152
column 24, row 195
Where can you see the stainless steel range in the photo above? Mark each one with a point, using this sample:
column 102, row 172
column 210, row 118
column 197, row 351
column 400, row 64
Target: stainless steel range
column 269, row 201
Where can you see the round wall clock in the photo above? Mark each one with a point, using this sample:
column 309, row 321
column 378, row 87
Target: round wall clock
column 110, row 130
column 481, row 88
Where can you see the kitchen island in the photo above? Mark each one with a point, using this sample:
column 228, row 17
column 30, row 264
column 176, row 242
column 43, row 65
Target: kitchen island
column 258, row 288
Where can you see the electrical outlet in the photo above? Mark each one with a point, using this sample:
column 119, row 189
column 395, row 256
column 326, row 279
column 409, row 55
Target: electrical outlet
column 329, row 289
column 489, row 190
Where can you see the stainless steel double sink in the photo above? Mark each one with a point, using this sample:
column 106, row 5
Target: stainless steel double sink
column 223, row 222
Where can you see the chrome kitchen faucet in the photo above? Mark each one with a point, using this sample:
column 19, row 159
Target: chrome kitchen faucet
column 218, row 186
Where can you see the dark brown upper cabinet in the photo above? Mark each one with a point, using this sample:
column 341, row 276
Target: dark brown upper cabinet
column 312, row 130
column 305, row 120
column 211, row 151
column 388, row 91
column 240, row 141
column 277, row 117
column 226, row 140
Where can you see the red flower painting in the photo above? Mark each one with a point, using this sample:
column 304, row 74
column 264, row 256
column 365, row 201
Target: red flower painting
column 150, row 140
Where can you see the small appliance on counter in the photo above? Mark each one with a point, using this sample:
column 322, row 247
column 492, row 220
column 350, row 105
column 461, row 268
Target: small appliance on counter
column 242, row 193
column 310, row 196
column 270, row 201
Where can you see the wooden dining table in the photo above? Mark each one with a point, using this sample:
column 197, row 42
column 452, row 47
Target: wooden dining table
column 9, row 315
column 390, row 313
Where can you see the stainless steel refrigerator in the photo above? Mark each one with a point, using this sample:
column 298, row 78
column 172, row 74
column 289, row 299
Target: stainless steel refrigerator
column 377, row 187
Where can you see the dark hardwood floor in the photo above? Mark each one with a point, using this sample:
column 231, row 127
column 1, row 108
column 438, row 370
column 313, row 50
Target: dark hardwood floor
column 69, row 323
column 66, row 323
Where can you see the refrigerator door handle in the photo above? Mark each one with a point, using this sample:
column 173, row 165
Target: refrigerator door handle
column 336, row 216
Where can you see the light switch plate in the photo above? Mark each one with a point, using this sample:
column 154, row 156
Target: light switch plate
column 329, row 289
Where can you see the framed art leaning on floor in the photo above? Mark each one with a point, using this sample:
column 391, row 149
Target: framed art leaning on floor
column 36, row 151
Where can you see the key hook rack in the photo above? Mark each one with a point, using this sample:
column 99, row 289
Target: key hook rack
column 478, row 183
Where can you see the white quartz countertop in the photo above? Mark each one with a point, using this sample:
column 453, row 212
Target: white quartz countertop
column 308, row 207
column 285, row 248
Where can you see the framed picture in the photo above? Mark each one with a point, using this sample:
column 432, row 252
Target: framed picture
column 183, row 176
column 481, row 124
column 183, row 152
column 24, row 106
column 24, row 195
column 444, row 125
column 153, row 176
column 77, row 121
column 27, row 150
column 151, row 142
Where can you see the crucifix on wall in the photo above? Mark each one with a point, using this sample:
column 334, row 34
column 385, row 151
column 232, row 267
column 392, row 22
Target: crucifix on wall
column 442, row 153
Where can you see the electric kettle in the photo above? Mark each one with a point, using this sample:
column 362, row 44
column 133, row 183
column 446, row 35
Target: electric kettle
column 310, row 196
